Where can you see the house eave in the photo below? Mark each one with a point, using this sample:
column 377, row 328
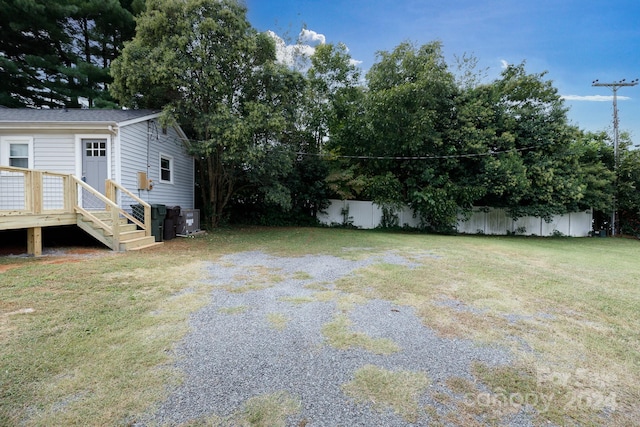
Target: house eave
column 73, row 125
column 84, row 126
column 139, row 119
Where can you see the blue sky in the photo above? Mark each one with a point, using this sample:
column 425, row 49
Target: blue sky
column 575, row 41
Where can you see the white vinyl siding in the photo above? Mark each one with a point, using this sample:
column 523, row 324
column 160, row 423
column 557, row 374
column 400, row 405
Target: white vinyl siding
column 55, row 153
column 141, row 146
column 133, row 156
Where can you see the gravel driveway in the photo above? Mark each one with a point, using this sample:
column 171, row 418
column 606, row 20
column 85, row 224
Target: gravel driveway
column 233, row 352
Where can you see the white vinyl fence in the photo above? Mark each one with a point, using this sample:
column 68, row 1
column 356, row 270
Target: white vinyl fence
column 364, row 214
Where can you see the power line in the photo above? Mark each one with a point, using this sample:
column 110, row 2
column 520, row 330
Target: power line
column 451, row 156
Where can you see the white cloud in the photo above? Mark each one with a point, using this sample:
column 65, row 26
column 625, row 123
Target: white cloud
column 297, row 55
column 504, row 64
column 311, row 38
column 593, row 98
column 289, row 54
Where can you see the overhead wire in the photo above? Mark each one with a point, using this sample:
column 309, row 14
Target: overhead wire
column 449, row 156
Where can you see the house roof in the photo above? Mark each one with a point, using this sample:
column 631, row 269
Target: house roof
column 75, row 118
column 72, row 115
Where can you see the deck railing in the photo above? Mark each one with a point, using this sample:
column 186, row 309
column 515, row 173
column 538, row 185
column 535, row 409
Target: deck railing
column 26, row 193
column 99, row 203
column 134, row 208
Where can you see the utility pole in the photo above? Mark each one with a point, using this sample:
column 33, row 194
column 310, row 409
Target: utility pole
column 615, row 86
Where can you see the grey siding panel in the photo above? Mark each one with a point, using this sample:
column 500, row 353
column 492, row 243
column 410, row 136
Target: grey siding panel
column 54, row 153
column 142, row 144
column 133, row 140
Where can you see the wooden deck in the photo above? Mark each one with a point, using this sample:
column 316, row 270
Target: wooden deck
column 33, row 199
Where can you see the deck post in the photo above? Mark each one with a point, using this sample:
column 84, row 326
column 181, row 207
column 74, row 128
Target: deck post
column 115, row 224
column 36, row 192
column 110, row 191
column 34, row 241
column 28, row 192
column 70, row 194
column 147, row 220
column 34, row 234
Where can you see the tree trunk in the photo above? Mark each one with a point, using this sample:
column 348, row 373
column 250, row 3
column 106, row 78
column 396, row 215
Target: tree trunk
column 217, row 187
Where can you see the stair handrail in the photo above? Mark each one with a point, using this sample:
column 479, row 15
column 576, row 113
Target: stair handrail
column 146, row 224
column 114, row 228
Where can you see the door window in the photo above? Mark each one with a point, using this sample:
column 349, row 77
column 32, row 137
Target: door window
column 96, row 148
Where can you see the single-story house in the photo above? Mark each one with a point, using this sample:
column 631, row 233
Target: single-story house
column 125, row 155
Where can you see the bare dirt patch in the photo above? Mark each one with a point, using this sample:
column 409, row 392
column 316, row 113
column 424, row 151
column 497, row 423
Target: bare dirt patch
column 55, row 256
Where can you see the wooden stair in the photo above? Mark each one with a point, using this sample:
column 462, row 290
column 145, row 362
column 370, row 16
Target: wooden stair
column 130, row 237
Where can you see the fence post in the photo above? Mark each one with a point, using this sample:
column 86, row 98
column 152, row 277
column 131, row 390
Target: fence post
column 541, row 235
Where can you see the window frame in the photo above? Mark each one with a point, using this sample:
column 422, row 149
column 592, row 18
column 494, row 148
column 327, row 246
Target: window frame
column 5, row 149
column 170, row 169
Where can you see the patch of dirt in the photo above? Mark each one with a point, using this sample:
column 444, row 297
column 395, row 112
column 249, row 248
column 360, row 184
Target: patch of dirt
column 8, row 267
column 55, row 256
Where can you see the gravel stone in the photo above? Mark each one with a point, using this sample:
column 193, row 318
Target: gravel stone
column 227, row 359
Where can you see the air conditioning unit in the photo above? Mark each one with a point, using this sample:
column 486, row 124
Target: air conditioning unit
column 188, row 222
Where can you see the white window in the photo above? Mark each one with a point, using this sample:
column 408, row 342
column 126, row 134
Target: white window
column 166, row 168
column 17, row 152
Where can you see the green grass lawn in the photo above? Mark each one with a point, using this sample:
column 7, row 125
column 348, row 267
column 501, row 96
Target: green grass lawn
column 88, row 340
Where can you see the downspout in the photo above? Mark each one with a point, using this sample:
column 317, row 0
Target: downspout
column 115, row 158
column 148, row 154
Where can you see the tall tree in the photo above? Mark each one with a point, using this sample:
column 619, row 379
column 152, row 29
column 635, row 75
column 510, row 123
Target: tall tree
column 532, row 122
column 333, row 82
column 203, row 63
column 628, row 187
column 55, row 53
column 97, row 31
column 331, row 77
column 596, row 171
column 33, row 52
column 441, row 145
column 409, row 116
